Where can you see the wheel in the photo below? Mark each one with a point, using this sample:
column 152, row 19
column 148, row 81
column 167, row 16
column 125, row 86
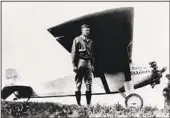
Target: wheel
column 134, row 101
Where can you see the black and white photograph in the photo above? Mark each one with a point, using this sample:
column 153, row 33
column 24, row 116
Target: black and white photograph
column 85, row 59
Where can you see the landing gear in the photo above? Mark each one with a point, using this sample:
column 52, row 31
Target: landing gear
column 134, row 101
column 18, row 96
column 27, row 100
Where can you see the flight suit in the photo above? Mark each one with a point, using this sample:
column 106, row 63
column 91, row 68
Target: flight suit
column 83, row 60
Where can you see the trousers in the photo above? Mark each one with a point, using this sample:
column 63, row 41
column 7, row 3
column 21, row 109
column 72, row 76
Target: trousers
column 84, row 71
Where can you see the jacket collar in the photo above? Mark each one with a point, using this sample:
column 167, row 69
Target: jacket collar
column 84, row 38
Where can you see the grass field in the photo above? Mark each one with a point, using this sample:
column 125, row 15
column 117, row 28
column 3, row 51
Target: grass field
column 53, row 110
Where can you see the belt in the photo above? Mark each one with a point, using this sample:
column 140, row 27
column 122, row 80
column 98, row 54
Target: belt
column 84, row 58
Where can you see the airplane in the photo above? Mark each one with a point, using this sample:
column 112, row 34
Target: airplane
column 115, row 72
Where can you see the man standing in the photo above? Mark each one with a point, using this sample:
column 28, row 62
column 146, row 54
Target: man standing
column 83, row 61
column 166, row 94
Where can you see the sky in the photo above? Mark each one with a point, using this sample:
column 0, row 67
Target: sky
column 28, row 47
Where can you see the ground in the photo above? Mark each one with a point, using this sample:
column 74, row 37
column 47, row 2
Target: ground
column 52, row 110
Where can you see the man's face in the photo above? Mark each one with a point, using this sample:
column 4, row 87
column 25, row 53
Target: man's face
column 85, row 31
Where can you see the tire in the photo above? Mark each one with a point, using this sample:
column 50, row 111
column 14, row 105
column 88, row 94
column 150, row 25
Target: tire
column 129, row 97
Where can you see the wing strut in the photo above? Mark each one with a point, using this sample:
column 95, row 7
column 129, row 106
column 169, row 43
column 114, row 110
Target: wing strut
column 105, row 84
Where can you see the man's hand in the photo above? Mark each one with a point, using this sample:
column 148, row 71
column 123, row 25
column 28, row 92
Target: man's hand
column 92, row 68
column 75, row 69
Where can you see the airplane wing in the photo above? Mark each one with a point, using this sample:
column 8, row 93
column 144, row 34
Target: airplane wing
column 111, row 32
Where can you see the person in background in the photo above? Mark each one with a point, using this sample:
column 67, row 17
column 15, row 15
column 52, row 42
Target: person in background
column 166, row 94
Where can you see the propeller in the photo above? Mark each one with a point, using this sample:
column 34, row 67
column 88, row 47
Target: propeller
column 156, row 74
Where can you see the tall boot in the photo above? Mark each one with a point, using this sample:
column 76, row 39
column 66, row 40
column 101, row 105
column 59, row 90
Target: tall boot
column 129, row 87
column 78, row 97
column 88, row 97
